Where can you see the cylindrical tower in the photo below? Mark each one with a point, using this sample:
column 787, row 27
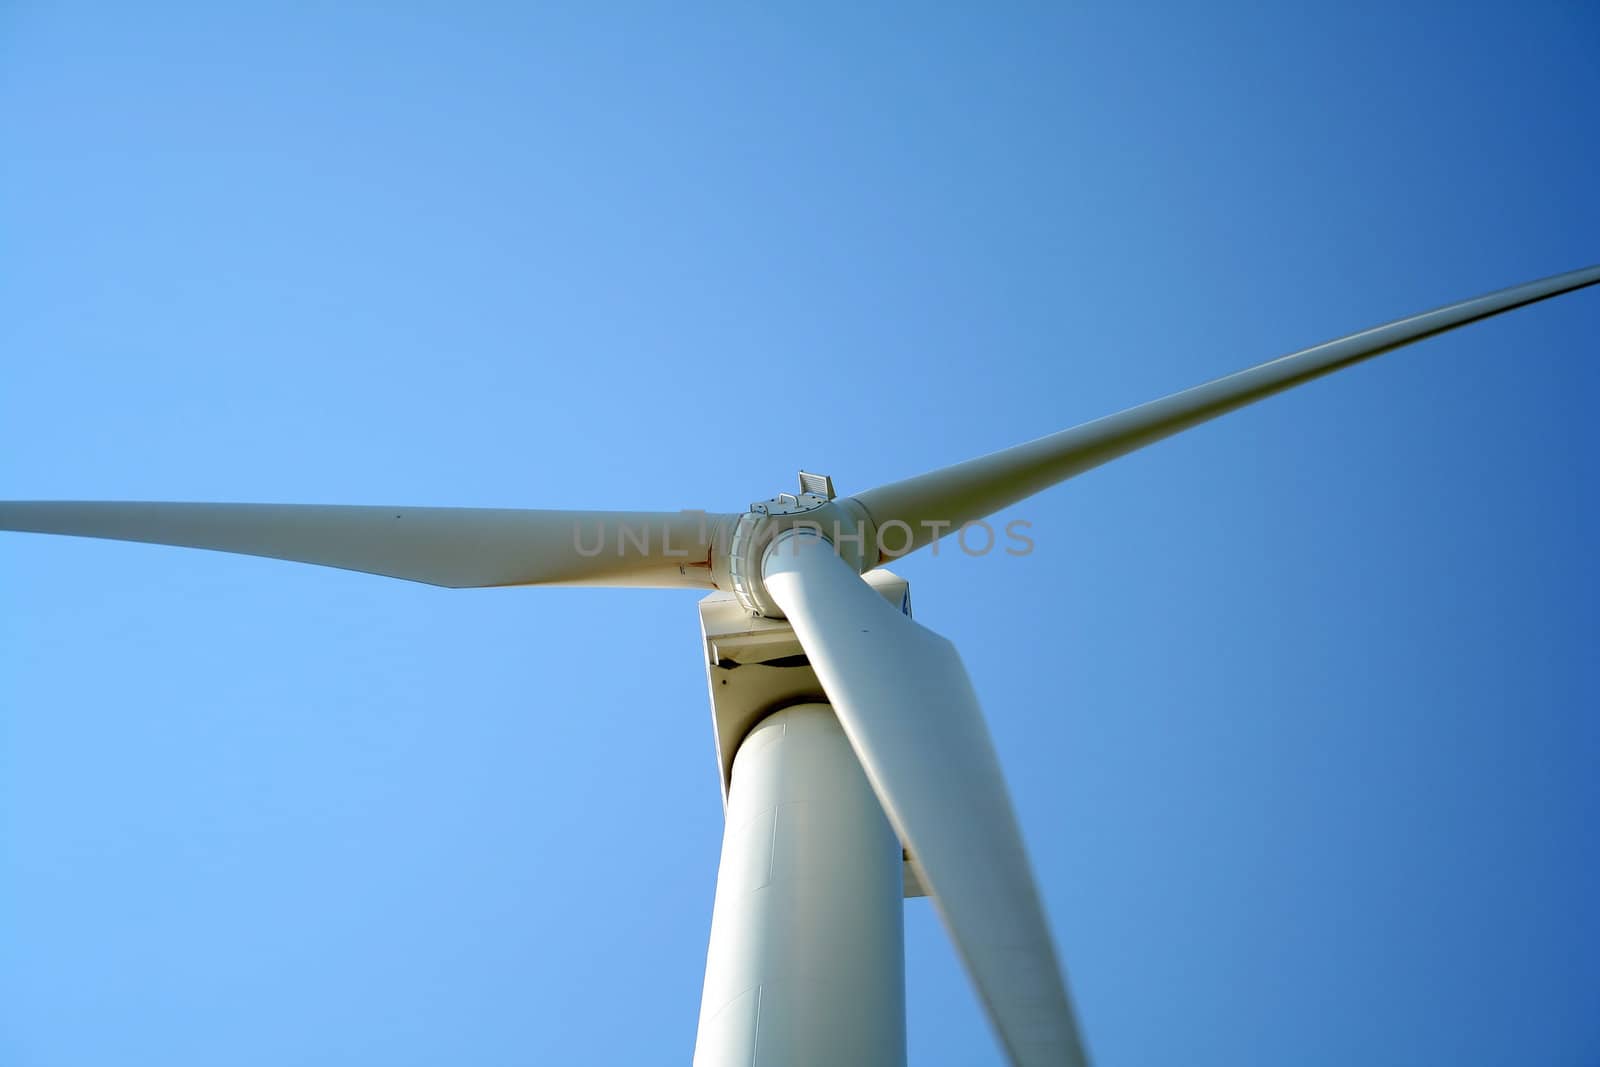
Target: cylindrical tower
column 807, row 958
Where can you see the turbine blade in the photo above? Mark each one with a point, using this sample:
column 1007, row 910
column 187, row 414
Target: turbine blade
column 940, row 501
column 454, row 547
column 908, row 708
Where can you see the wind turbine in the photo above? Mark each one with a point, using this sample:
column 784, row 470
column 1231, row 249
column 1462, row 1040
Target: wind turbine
column 855, row 761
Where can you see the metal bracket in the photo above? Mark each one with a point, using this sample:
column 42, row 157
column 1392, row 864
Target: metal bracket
column 815, row 491
column 816, row 485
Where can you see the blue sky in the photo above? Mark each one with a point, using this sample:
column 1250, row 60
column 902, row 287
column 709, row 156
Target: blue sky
column 1298, row 709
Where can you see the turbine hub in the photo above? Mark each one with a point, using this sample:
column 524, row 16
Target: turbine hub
column 842, row 523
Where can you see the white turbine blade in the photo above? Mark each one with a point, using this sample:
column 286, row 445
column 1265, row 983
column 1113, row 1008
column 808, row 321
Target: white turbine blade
column 455, row 547
column 940, row 501
column 908, row 708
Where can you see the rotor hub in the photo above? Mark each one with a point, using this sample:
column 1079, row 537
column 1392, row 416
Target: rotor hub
column 842, row 523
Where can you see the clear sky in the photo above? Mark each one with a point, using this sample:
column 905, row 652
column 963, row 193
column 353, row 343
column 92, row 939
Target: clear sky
column 1299, row 709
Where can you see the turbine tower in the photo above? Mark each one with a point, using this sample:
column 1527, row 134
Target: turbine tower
column 855, row 761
